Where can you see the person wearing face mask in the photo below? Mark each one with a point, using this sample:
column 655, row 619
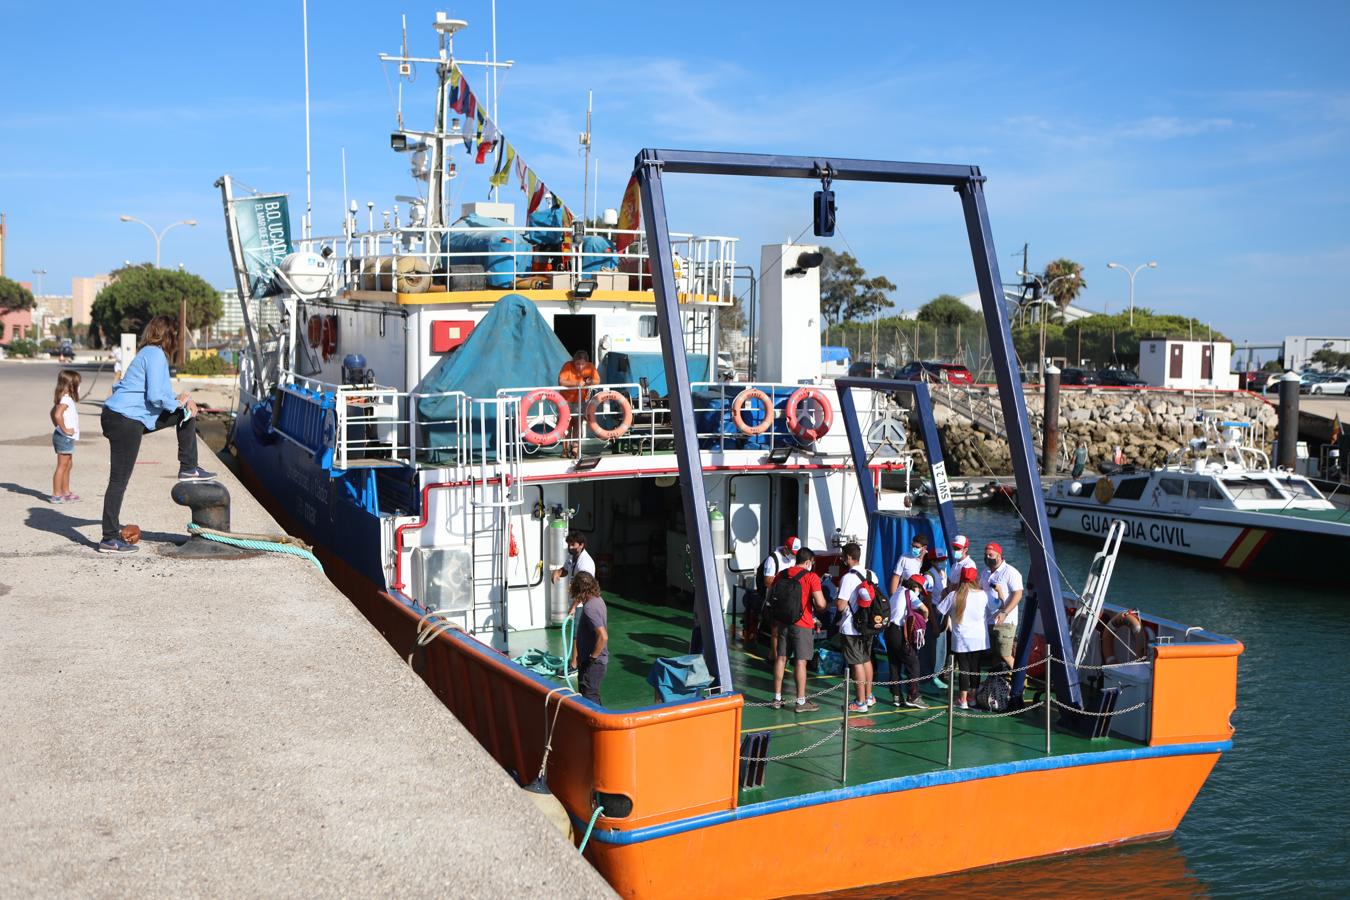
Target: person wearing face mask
column 1004, row 586
column 960, row 560
column 910, row 563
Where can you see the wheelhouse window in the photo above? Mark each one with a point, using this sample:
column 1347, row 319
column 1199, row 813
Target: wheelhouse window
column 1131, row 488
column 1302, row 489
column 1201, row 489
column 1254, row 489
column 647, row 326
column 1172, row 487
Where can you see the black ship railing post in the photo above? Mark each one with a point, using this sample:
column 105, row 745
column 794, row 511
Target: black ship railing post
column 952, row 673
column 843, row 734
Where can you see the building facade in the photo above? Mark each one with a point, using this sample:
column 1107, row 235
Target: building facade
column 1187, row 364
column 231, row 323
column 1298, row 351
column 83, row 291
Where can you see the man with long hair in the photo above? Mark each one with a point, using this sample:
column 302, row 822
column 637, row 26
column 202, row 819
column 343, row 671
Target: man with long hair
column 142, row 402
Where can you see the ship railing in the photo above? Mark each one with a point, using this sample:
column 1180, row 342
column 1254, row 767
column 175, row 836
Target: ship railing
column 420, row 259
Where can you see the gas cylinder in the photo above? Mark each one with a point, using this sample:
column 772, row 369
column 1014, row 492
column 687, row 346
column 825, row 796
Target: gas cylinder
column 555, row 555
column 718, row 531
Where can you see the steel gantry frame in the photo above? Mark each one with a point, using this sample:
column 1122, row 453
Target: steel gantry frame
column 1043, row 587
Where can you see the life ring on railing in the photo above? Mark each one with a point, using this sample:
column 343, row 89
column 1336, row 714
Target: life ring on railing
column 797, row 425
column 544, row 438
column 330, row 337
column 1134, row 640
column 314, row 331
column 738, row 409
column 593, row 414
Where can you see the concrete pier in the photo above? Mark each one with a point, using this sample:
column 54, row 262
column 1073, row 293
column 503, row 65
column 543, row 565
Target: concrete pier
column 182, row 727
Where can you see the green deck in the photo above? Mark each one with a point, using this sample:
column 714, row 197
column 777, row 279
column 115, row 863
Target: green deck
column 641, row 632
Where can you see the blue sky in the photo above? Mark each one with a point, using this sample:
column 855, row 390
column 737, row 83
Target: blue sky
column 1211, row 137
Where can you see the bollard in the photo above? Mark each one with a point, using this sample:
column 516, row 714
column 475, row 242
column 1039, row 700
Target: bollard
column 1050, row 422
column 208, row 500
column 843, row 754
column 1287, row 458
column 951, row 706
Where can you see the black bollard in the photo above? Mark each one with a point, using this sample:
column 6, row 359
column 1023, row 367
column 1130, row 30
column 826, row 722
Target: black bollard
column 1050, row 422
column 208, row 500
column 1287, row 456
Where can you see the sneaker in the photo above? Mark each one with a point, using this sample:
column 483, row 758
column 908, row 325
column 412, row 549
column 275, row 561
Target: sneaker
column 897, row 700
column 961, row 704
column 939, row 683
column 777, row 703
column 855, row 706
column 196, row 473
column 806, row 706
column 916, row 701
column 70, row 498
column 116, row 545
column 56, row 498
column 871, row 702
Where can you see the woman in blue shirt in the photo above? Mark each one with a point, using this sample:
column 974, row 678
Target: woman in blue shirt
column 142, row 402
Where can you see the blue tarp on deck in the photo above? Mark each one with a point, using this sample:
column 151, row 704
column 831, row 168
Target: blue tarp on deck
column 512, row 347
column 500, row 251
column 890, row 536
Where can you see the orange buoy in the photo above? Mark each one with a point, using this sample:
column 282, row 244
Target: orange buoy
column 738, row 410
column 544, row 438
column 796, row 422
column 593, row 412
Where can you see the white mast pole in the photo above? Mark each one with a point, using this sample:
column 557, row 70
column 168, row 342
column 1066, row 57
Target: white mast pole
column 586, row 165
column 309, row 194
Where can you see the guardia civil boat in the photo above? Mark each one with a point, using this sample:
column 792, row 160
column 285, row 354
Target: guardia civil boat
column 1217, row 500
column 406, row 418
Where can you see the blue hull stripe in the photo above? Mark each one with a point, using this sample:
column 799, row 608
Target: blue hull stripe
column 896, row 785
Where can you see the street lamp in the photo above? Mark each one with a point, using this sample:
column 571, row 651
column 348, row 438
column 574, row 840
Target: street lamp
column 1045, row 290
column 1132, row 273
column 158, row 235
column 39, row 273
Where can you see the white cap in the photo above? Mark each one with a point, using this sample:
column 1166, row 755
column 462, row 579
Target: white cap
column 960, row 542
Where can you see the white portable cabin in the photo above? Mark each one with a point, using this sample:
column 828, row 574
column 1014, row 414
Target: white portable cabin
column 1187, row 364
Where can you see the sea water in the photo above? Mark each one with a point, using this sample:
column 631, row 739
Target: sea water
column 1272, row 817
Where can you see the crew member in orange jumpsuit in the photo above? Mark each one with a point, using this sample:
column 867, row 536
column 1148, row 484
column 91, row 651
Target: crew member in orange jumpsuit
column 577, row 372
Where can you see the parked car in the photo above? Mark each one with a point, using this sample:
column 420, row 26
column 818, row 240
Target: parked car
column 1119, row 378
column 1331, row 383
column 921, row 370
column 1077, row 376
column 868, row 369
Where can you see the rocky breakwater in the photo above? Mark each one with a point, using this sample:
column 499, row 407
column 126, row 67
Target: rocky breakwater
column 1146, row 424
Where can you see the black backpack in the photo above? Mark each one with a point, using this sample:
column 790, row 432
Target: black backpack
column 785, row 598
column 994, row 693
column 874, row 617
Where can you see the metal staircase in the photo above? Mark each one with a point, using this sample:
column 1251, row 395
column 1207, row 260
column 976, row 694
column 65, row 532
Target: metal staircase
column 496, row 491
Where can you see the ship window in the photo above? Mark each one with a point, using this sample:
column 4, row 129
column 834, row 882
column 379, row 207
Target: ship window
column 647, row 326
column 1172, row 487
column 1199, row 489
column 1131, row 488
column 1253, row 489
column 1302, row 489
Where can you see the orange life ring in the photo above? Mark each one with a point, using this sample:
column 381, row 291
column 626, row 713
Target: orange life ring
column 330, row 337
column 1112, row 638
column 314, row 331
column 738, row 408
column 538, row 438
column 797, row 426
column 593, row 412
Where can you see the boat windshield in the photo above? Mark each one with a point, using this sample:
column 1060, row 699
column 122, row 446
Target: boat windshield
column 1254, row 489
column 1302, row 489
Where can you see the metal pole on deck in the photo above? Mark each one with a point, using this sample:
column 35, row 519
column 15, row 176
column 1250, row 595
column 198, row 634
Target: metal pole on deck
column 951, row 705
column 843, row 735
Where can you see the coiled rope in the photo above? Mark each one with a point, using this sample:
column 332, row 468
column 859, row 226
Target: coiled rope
column 270, row 543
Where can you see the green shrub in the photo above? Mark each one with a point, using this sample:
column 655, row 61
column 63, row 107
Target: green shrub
column 23, row 348
column 206, row 365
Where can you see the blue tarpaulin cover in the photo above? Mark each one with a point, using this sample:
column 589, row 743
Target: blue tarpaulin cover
column 834, row 354
column 890, row 535
column 545, row 217
column 598, row 254
column 679, row 677
column 501, row 253
column 512, row 347
column 629, row 368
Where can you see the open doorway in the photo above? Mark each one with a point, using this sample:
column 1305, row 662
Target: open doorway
column 576, row 333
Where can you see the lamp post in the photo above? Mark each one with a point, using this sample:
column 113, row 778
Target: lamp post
column 158, row 235
column 1040, row 313
column 39, row 273
column 1132, row 272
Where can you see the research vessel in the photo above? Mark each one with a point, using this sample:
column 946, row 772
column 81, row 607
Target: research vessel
column 407, row 419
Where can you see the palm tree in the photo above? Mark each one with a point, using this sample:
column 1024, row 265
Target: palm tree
column 1064, row 290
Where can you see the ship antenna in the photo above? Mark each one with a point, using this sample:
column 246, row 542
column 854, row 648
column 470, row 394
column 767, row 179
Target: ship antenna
column 309, row 193
column 494, row 86
column 585, row 140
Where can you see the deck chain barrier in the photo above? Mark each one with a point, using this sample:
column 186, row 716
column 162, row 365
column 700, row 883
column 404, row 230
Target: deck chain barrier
column 897, row 728
column 782, row 756
column 787, row 700
column 1100, row 715
column 985, row 714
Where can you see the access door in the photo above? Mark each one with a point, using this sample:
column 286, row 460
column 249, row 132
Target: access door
column 576, row 333
column 748, row 520
column 1174, row 361
column 1207, row 362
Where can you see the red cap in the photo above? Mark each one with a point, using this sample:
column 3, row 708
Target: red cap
column 916, row 581
column 792, row 544
column 935, row 555
column 960, row 542
column 969, row 573
column 994, row 547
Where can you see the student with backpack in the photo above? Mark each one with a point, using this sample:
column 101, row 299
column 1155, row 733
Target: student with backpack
column 905, row 636
column 863, row 612
column 757, row 608
column 794, row 596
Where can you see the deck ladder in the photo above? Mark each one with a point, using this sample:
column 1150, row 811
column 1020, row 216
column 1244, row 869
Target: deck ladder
column 496, row 491
column 1094, row 591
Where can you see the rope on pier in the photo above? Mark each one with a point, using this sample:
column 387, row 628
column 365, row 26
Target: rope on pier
column 266, row 543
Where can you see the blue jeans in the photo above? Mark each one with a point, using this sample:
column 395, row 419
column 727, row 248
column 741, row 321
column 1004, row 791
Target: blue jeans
column 62, row 442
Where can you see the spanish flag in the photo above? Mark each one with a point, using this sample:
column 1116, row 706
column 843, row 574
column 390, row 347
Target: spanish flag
column 1336, row 431
column 630, row 214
